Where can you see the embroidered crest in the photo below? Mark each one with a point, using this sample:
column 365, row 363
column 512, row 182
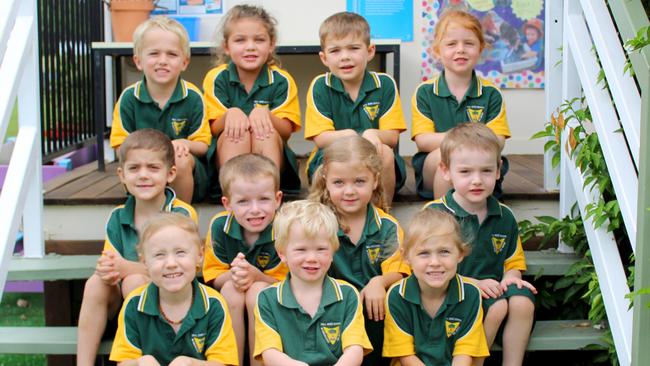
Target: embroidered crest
column 178, row 124
column 261, row 103
column 373, row 253
column 451, row 326
column 263, row 259
column 475, row 113
column 198, row 340
column 371, row 109
column 331, row 332
column 498, row 242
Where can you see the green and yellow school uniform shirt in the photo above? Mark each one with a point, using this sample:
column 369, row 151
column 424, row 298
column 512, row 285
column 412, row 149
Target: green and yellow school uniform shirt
column 435, row 109
column 330, row 108
column 225, row 240
column 183, row 117
column 274, row 88
column 456, row 329
column 205, row 334
column 121, row 234
column 376, row 252
column 281, row 323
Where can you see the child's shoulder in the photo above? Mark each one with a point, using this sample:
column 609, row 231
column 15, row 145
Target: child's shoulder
column 383, row 80
column 133, row 299
column 429, row 84
column 131, row 92
column 216, row 71
column 221, row 219
column 438, row 204
column 487, row 86
column 277, row 71
column 506, row 213
column 384, row 217
column 191, row 90
column 183, row 208
column 210, row 296
column 468, row 289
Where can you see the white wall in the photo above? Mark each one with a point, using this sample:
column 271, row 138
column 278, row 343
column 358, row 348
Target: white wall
column 298, row 22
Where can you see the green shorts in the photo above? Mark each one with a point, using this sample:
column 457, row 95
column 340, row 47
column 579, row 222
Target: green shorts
column 512, row 291
column 201, row 179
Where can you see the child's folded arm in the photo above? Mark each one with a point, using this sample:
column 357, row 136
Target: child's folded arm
column 325, row 138
column 411, row 360
column 387, row 137
column 273, row 357
column 460, row 360
column 352, row 356
column 427, row 142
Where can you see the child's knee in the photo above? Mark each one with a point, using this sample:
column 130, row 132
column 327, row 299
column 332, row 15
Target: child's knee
column 185, row 164
column 253, row 291
column 497, row 312
column 234, row 298
column 521, row 305
column 133, row 281
column 97, row 290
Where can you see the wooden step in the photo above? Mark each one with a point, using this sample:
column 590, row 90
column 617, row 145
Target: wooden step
column 54, row 267
column 548, row 335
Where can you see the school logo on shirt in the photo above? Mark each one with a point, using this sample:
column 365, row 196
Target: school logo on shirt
column 261, row 103
column 475, row 113
column 373, row 252
column 331, row 332
column 451, row 326
column 371, row 109
column 178, row 124
column 263, row 259
column 198, row 341
column 498, row 242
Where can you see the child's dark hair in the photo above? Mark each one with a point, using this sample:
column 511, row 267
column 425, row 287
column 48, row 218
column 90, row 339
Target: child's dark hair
column 244, row 11
column 148, row 139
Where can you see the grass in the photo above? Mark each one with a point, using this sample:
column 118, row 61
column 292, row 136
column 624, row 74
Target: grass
column 13, row 315
column 12, row 129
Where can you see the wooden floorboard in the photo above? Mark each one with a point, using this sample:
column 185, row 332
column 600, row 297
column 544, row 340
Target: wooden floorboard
column 86, row 185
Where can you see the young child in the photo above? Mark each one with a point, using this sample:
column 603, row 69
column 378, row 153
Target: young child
column 455, row 96
column 434, row 317
column 351, row 100
column 470, row 162
column 252, row 103
column 164, row 101
column 309, row 318
column 174, row 320
column 240, row 257
column 146, row 167
column 349, row 182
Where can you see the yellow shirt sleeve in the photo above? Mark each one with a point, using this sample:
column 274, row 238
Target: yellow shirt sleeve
column 355, row 333
column 266, row 337
column 517, row 260
column 393, row 118
column 213, row 267
column 118, row 132
column 126, row 341
column 224, row 348
column 473, row 343
column 420, row 115
column 398, row 342
column 317, row 120
column 395, row 263
column 203, row 133
column 214, row 107
column 278, row 272
column 290, row 107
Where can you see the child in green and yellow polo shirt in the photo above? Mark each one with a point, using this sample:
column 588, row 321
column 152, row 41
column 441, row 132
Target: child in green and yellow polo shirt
column 252, row 102
column 351, row 100
column 470, row 162
column 146, row 167
column 165, row 102
column 455, row 96
column 174, row 320
column 434, row 317
column 309, row 318
column 240, row 256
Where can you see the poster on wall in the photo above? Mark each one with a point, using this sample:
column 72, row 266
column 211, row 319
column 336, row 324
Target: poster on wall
column 388, row 19
column 513, row 30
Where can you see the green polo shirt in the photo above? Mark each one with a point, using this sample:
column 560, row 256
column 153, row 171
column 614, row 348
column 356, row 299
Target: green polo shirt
column 456, row 329
column 281, row 323
column 274, row 88
column 376, row 252
column 183, row 117
column 330, row 108
column 225, row 240
column 121, row 234
column 205, row 334
column 496, row 245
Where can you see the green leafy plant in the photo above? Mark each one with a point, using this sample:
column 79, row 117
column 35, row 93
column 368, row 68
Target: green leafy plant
column 635, row 44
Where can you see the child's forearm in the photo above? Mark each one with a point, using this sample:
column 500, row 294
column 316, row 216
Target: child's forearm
column 388, row 137
column 198, row 148
column 352, row 356
column 217, row 125
column 283, row 126
column 324, row 139
column 462, row 360
column 411, row 360
column 428, row 142
column 218, row 282
column 390, row 278
column 273, row 357
column 263, row 277
column 513, row 273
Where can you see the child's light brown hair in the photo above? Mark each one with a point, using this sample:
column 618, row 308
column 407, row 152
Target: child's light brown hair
column 236, row 13
column 165, row 219
column 314, row 218
column 433, row 224
column 456, row 17
column 250, row 167
column 470, row 135
column 342, row 24
column 350, row 149
column 167, row 24
column 148, row 139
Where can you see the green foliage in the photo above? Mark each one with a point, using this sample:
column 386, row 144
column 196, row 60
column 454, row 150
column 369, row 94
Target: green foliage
column 15, row 316
column 635, row 44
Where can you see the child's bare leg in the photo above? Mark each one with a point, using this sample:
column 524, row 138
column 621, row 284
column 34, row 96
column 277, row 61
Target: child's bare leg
column 271, row 147
column 491, row 323
column 183, row 184
column 227, row 149
column 236, row 301
column 388, row 172
column 99, row 301
column 517, row 329
column 251, row 300
column 133, row 281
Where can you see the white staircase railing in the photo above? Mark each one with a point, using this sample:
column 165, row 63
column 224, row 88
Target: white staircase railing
column 577, row 28
column 21, row 196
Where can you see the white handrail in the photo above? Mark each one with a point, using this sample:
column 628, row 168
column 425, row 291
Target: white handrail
column 7, row 16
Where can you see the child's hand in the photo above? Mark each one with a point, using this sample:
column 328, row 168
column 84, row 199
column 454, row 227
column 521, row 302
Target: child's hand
column 181, row 361
column 105, row 268
column 243, row 274
column 181, row 148
column 236, row 124
column 517, row 281
column 147, row 360
column 372, row 135
column 490, row 288
column 373, row 296
column 261, row 123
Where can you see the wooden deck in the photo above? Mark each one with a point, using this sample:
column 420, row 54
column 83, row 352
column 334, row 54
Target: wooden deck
column 86, row 185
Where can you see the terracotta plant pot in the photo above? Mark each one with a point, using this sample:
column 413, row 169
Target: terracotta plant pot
column 126, row 15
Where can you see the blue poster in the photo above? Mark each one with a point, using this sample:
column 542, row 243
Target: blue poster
column 388, row 19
